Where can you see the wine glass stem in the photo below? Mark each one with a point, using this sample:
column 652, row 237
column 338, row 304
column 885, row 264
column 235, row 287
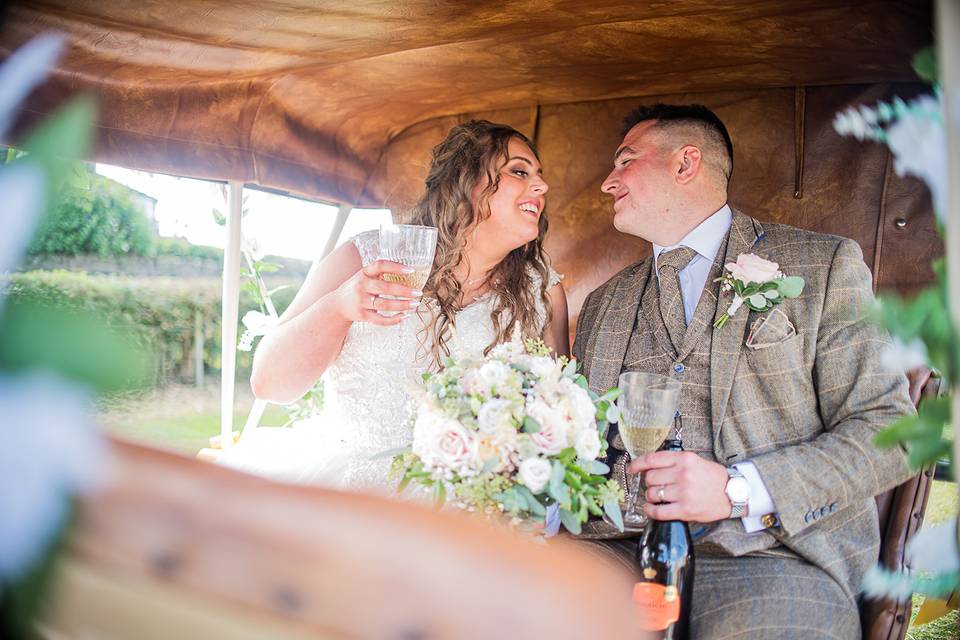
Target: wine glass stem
column 634, row 490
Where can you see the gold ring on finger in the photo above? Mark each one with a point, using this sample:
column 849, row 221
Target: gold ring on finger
column 373, row 302
column 661, row 494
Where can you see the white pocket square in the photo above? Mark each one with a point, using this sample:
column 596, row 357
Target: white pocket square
column 770, row 330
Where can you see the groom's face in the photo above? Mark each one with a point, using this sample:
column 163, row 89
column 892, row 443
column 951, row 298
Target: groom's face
column 642, row 185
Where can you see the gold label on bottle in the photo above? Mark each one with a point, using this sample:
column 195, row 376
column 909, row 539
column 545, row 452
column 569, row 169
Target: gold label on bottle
column 649, row 573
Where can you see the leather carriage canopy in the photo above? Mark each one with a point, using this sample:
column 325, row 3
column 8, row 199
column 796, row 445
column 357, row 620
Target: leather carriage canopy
column 342, row 101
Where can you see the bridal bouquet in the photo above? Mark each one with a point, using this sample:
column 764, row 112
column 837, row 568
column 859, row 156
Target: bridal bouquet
column 513, row 433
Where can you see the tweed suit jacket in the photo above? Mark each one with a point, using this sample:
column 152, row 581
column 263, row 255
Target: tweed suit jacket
column 803, row 403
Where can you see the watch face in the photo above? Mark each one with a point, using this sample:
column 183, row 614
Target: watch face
column 738, row 489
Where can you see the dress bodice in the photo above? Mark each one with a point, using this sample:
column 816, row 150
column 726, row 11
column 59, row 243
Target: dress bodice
column 368, row 396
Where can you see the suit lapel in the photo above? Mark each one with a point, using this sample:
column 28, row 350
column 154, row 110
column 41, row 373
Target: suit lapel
column 616, row 326
column 728, row 340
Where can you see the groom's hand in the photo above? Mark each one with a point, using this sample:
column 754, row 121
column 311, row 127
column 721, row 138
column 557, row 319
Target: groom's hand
column 693, row 488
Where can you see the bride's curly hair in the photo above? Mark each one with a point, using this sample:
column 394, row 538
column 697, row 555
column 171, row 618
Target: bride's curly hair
column 474, row 153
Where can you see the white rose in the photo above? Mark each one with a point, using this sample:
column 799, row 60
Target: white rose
column 583, row 413
column 544, row 368
column 493, row 414
column 587, row 444
column 750, row 267
column 551, row 439
column 493, row 376
column 470, row 383
column 535, row 474
column 442, row 442
column 500, row 448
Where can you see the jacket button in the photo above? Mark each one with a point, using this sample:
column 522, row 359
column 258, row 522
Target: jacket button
column 816, row 514
column 833, row 507
column 824, row 511
column 807, row 516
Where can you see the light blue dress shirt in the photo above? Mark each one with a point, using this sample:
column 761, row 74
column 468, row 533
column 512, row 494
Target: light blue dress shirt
column 706, row 239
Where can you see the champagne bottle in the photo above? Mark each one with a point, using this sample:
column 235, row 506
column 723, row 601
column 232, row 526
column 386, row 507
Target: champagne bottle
column 665, row 559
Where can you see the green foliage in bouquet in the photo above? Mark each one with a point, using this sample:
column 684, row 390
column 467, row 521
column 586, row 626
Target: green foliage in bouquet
column 513, row 433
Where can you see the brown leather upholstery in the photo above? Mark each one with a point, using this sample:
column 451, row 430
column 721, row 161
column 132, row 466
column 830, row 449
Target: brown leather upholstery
column 900, row 512
column 306, row 95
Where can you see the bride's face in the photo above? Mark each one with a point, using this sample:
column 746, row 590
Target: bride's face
column 516, row 205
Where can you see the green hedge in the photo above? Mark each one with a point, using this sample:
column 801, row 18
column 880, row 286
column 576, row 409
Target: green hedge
column 160, row 311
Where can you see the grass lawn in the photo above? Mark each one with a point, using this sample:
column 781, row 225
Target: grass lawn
column 183, row 418
column 180, row 418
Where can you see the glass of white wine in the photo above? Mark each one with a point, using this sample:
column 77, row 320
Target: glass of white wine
column 412, row 245
column 648, row 404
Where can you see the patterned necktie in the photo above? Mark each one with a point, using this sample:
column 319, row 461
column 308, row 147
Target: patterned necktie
column 669, row 265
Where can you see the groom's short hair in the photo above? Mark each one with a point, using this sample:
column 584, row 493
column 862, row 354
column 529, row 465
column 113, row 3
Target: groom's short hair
column 695, row 121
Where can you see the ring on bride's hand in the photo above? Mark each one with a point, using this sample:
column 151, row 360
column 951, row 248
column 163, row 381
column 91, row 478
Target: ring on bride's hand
column 373, row 303
column 661, row 494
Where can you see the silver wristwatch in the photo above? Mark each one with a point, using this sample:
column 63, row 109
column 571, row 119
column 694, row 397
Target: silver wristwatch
column 738, row 491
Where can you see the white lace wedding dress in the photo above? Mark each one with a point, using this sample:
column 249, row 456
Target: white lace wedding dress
column 367, row 401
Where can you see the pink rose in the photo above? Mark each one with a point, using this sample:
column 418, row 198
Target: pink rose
column 551, row 439
column 442, row 442
column 750, row 267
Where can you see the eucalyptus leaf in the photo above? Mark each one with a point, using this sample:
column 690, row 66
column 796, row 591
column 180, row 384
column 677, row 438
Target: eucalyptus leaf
column 557, row 471
column 533, row 504
column 598, row 468
column 391, row 453
column 570, row 521
column 62, row 140
column 439, row 493
column 530, row 425
column 791, row 287
column 76, row 345
column 925, row 65
column 757, row 301
column 612, row 508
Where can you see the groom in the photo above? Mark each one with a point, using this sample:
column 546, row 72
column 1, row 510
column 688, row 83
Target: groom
column 778, row 409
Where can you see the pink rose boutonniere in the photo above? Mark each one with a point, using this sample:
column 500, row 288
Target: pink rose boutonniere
column 758, row 283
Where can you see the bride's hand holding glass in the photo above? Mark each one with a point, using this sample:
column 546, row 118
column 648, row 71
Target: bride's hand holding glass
column 361, row 297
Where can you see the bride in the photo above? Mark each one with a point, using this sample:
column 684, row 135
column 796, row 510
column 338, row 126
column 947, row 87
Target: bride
column 491, row 283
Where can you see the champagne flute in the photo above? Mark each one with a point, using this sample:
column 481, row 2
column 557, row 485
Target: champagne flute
column 648, row 404
column 411, row 245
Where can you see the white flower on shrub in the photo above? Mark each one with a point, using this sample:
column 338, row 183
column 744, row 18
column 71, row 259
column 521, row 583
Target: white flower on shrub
column 587, row 444
column 535, row 474
column 493, row 414
column 919, row 145
column 903, row 356
column 443, row 443
column 552, row 438
column 51, row 450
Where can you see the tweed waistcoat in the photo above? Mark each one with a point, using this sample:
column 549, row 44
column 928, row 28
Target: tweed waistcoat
column 651, row 349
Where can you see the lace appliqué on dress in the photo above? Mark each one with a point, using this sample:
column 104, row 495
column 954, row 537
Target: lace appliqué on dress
column 369, row 394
